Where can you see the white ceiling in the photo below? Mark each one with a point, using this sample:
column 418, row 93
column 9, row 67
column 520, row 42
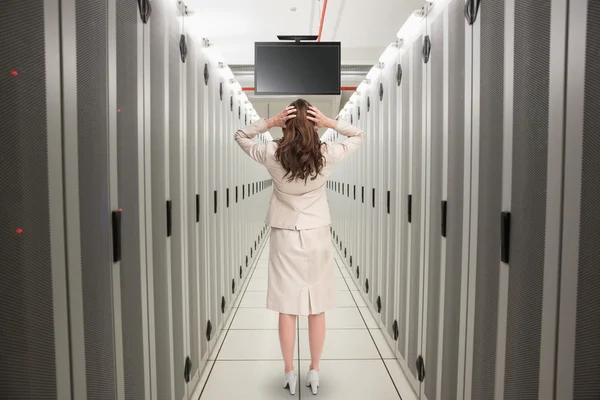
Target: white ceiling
column 364, row 27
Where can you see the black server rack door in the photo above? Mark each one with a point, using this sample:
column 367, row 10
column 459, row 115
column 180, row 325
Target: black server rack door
column 436, row 157
column 587, row 347
column 176, row 193
column 416, row 228
column 491, row 140
column 158, row 133
column 27, row 333
column 94, row 196
column 528, row 201
column 455, row 199
column 130, row 193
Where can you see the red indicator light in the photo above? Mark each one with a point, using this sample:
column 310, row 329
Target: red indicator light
column 118, row 110
column 14, row 73
column 120, row 210
column 19, row 231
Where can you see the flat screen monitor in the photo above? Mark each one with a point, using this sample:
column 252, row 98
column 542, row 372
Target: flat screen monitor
column 297, row 68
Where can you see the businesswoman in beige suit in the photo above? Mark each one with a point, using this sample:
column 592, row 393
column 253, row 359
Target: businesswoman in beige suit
column 301, row 271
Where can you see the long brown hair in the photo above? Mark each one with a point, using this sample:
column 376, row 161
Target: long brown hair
column 299, row 151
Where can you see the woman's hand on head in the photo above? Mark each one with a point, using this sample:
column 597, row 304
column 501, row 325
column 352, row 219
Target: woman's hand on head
column 320, row 120
column 281, row 118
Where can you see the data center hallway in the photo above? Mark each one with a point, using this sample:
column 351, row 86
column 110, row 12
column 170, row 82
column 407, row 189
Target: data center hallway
column 357, row 362
column 140, row 179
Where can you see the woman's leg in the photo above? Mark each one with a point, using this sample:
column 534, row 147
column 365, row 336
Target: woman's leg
column 316, row 338
column 287, row 339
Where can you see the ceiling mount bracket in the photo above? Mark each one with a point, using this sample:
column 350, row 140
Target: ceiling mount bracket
column 298, row 38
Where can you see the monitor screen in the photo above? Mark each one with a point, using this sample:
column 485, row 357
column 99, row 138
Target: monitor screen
column 284, row 68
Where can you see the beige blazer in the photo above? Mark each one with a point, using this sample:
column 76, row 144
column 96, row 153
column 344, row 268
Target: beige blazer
column 298, row 205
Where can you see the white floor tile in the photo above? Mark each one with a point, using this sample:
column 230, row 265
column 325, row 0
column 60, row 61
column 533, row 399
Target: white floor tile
column 257, row 285
column 344, row 299
column 360, row 302
column 252, row 380
column 203, row 378
column 340, row 284
column 382, row 344
column 252, row 345
column 351, row 284
column 352, row 380
column 342, row 344
column 369, row 319
column 260, row 273
column 339, row 318
column 350, row 367
column 255, row 318
column 254, row 300
column 402, row 383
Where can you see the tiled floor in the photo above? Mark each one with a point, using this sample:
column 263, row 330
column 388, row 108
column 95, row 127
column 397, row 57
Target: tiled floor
column 357, row 362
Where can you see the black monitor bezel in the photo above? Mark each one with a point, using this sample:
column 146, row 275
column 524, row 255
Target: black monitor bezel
column 338, row 45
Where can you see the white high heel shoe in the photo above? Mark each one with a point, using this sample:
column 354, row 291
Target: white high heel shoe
column 291, row 380
column 312, row 380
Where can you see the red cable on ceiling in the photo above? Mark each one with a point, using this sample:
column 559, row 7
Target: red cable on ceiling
column 322, row 20
column 248, row 89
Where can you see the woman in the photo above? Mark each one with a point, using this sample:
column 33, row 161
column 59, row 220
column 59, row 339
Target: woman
column 301, row 275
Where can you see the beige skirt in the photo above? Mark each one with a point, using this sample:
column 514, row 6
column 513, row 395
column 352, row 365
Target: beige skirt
column 301, row 275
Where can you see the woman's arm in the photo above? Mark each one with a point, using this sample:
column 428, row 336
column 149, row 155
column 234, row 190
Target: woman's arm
column 343, row 149
column 354, row 139
column 244, row 136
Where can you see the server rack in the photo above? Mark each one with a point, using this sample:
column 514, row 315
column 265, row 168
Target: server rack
column 33, row 290
column 577, row 370
column 108, row 279
column 388, row 118
column 432, row 289
column 158, row 196
column 493, row 279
